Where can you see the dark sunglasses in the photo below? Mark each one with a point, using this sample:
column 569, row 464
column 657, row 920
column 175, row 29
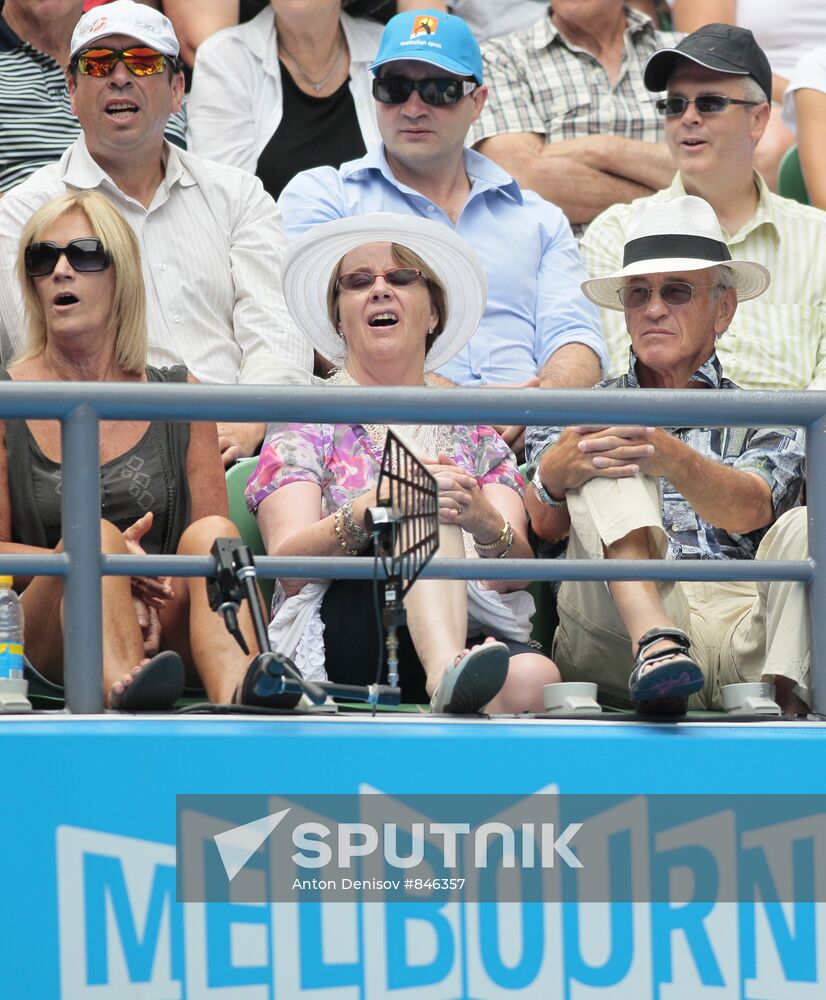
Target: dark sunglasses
column 358, row 281
column 83, row 255
column 139, row 61
column 707, row 104
column 673, row 293
column 437, row 91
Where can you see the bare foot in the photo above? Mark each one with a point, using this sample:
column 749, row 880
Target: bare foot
column 652, row 660
column 118, row 689
column 789, row 702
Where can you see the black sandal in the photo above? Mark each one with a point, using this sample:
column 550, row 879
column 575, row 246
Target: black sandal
column 664, row 689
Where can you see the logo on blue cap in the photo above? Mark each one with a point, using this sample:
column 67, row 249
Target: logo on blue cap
column 431, row 37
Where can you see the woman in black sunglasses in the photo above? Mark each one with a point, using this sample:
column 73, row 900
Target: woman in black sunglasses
column 162, row 484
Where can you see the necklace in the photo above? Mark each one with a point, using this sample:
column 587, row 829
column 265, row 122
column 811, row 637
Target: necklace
column 317, row 85
column 424, row 440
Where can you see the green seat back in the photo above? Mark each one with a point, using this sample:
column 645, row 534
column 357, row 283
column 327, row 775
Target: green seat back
column 244, row 521
column 545, row 620
column 790, row 181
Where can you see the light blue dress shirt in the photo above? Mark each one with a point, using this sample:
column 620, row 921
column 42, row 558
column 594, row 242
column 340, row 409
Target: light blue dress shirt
column 534, row 271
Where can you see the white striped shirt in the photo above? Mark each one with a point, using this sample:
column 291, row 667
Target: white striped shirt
column 212, row 244
column 776, row 341
column 36, row 120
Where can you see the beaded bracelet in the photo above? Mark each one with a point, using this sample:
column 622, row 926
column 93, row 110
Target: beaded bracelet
column 505, row 539
column 337, row 524
column 359, row 535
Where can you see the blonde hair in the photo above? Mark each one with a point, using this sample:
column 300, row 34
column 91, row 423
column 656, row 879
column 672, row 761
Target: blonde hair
column 404, row 257
column 128, row 316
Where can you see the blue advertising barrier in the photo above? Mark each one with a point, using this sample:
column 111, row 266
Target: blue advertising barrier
column 88, row 838
column 88, row 902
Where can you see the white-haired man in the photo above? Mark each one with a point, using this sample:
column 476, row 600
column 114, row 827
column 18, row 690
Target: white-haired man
column 692, row 493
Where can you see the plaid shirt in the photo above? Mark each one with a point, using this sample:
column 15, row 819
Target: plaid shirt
column 774, row 453
column 540, row 83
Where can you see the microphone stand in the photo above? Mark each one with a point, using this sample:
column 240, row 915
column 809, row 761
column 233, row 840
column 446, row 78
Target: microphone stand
column 405, row 530
column 382, row 522
column 274, row 675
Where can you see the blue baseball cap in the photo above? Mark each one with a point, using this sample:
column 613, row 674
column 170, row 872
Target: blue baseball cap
column 431, row 36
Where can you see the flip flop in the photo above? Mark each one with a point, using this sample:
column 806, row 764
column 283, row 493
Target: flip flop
column 157, row 686
column 469, row 685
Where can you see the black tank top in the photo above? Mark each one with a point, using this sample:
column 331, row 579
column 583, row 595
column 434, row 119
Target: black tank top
column 150, row 476
column 313, row 132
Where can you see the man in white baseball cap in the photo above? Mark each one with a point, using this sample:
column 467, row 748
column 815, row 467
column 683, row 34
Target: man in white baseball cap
column 689, row 493
column 211, row 238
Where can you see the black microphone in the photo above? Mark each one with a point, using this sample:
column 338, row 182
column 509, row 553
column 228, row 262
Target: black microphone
column 229, row 609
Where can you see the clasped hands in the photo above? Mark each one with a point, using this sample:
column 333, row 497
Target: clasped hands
column 589, row 452
column 461, row 500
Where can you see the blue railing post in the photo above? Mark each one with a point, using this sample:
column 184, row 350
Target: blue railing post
column 83, row 640
column 816, row 504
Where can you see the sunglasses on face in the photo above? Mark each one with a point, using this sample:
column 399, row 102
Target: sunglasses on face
column 83, row 255
column 436, row 91
column 359, row 281
column 707, row 104
column 139, row 61
column 673, row 293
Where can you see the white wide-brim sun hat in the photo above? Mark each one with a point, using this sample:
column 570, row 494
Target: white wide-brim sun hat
column 312, row 259
column 669, row 237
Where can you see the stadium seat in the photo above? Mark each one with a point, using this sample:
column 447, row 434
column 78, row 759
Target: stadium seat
column 546, row 619
column 237, row 476
column 790, row 183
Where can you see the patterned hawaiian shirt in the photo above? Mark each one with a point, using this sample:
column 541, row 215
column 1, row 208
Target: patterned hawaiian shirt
column 776, row 454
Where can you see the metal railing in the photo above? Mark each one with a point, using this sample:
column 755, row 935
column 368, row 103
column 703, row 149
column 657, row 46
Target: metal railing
column 80, row 407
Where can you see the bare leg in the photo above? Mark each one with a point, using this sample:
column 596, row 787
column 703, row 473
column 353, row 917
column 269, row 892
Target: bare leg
column 195, row 631
column 437, row 612
column 528, row 673
column 122, row 643
column 638, row 601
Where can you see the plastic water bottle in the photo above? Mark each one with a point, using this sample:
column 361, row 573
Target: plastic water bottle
column 13, row 687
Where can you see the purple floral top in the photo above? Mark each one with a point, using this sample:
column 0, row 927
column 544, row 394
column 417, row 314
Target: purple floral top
column 344, row 461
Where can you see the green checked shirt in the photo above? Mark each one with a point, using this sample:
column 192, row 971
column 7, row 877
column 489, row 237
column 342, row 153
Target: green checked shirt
column 778, row 340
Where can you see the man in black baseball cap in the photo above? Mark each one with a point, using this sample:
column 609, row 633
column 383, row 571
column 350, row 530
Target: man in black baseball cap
column 716, row 110
column 722, row 48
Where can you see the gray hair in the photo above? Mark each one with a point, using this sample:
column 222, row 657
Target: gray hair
column 752, row 91
column 723, row 276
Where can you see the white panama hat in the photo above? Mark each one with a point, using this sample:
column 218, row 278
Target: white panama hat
column 666, row 237
column 312, row 259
